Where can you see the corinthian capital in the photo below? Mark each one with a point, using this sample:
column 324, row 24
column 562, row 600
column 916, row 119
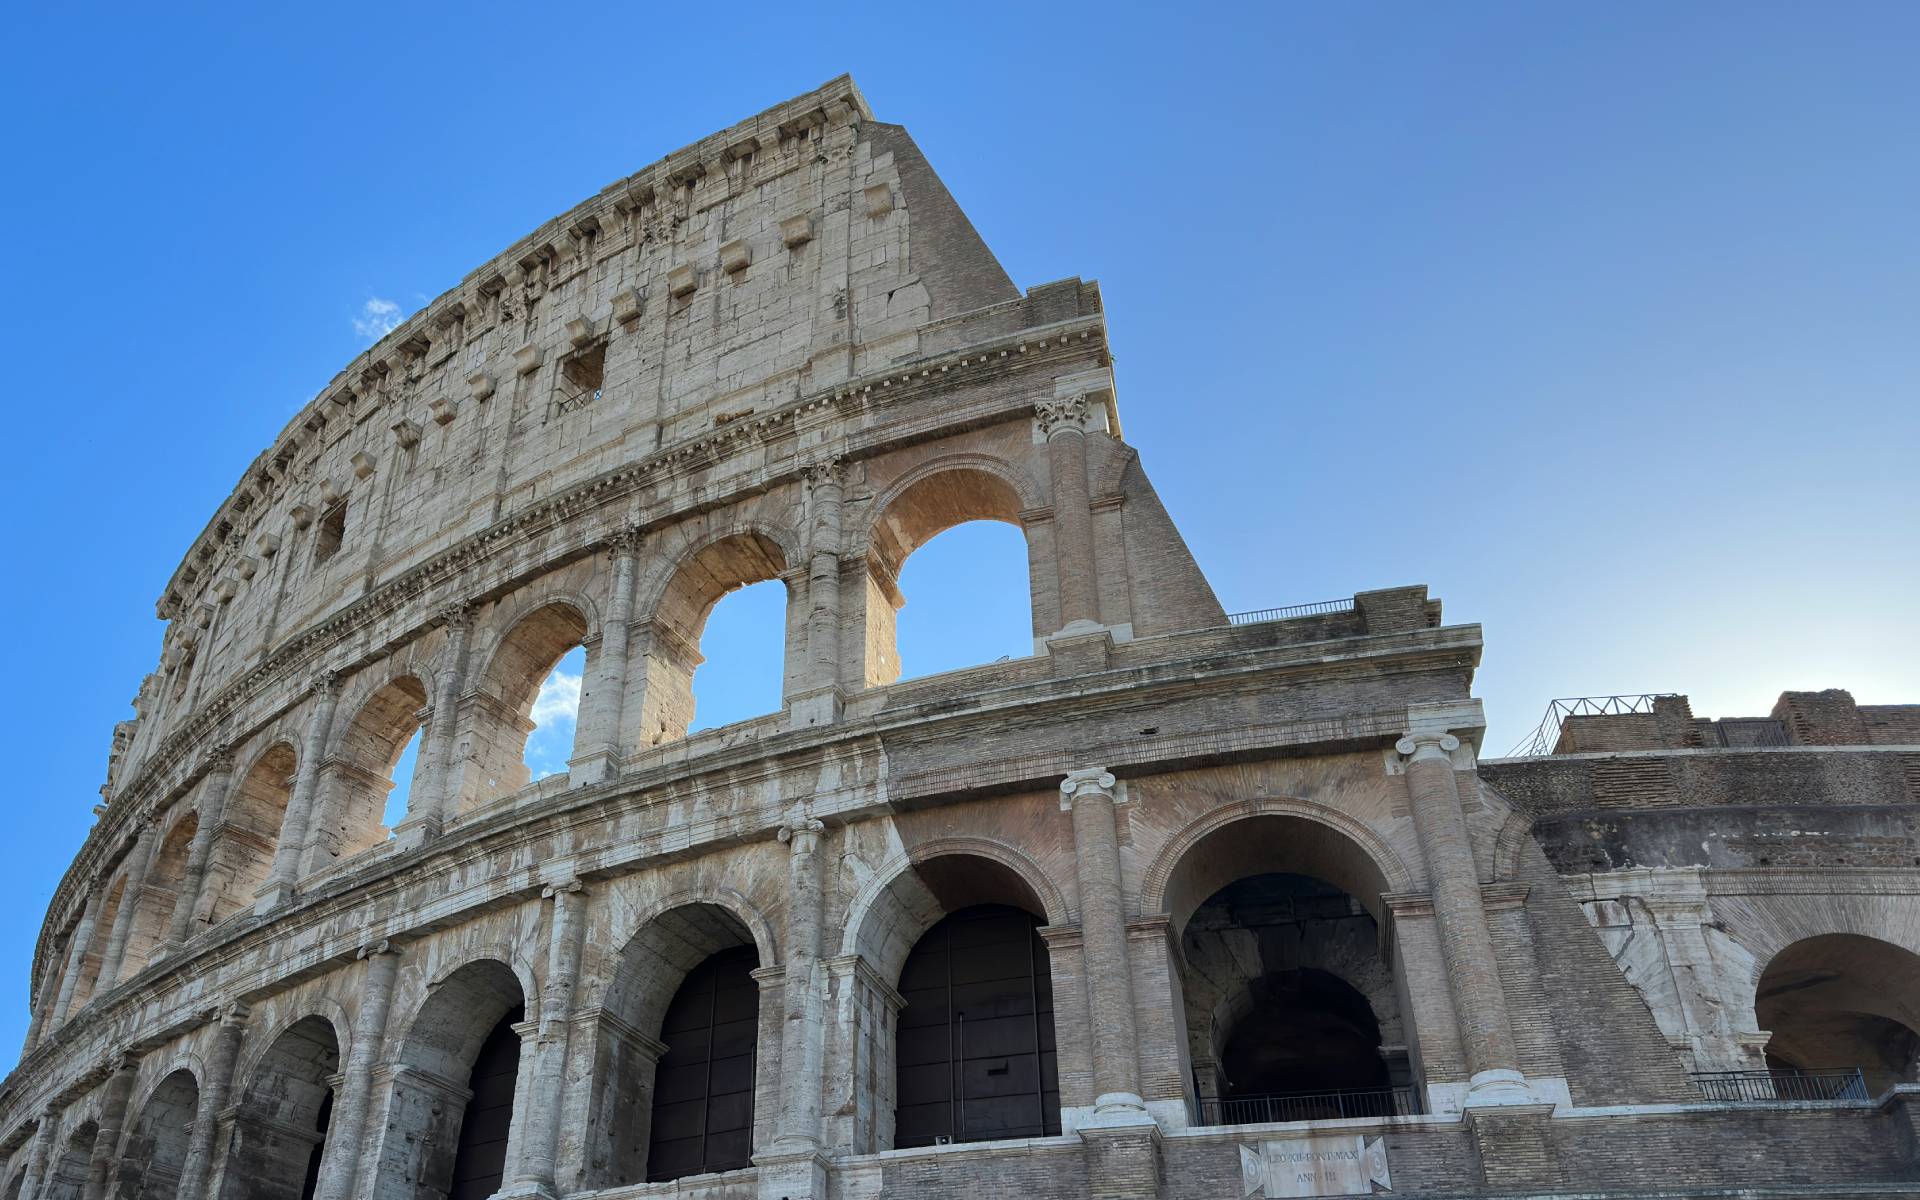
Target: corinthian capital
column 825, row 472
column 1060, row 414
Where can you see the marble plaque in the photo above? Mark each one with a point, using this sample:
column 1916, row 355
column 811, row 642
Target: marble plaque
column 1319, row 1166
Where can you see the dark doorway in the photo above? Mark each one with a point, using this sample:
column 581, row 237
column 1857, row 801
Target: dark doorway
column 480, row 1161
column 976, row 1050
column 312, row 1182
column 703, row 1087
column 1309, row 1031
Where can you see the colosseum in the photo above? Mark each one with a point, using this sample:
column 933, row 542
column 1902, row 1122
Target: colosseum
column 1180, row 904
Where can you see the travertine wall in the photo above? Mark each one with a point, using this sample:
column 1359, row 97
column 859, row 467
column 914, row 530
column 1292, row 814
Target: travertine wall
column 781, row 353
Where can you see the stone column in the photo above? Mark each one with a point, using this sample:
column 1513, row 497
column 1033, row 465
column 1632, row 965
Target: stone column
column 279, row 886
column 1091, row 796
column 1062, row 423
column 546, row 1085
column 1473, row 975
column 820, row 698
column 213, row 810
column 76, row 956
column 603, row 701
column 215, row 1090
column 113, row 1121
column 428, row 813
column 803, row 1032
column 340, row 1161
column 139, row 861
column 44, row 1140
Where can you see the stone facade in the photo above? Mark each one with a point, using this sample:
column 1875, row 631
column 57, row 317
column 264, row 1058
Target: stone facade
column 783, row 353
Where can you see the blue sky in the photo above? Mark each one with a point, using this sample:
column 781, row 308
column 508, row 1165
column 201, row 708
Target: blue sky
column 1600, row 320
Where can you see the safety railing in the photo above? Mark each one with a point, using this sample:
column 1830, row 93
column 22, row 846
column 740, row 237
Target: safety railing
column 1307, row 1106
column 1298, row 610
column 1754, row 1087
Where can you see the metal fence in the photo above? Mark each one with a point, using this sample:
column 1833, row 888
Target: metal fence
column 1299, row 610
column 1307, row 1106
column 1547, row 733
column 1753, row 1087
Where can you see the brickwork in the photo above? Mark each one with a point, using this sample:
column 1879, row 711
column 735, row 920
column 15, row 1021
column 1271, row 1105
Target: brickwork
column 784, row 353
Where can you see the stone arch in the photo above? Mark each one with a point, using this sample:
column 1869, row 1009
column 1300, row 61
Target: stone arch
column 1362, row 862
column 1515, row 832
column 676, row 938
column 909, row 897
column 933, row 497
column 68, row 1165
column 324, row 1009
column 241, row 854
column 496, row 713
column 153, row 911
column 284, row 1111
column 462, row 1039
column 156, row 1147
column 913, row 891
column 1843, row 1000
column 357, row 774
column 675, row 601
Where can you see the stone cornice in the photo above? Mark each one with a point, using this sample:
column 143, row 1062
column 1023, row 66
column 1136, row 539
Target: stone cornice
column 376, row 882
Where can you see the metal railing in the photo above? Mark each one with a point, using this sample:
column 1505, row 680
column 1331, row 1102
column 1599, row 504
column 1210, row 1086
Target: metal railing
column 1547, row 733
column 1298, row 610
column 1753, row 1087
column 1307, row 1106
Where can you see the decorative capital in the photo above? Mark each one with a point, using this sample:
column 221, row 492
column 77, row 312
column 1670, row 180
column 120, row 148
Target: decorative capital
column 803, row 835
column 455, row 614
column 572, row 887
column 627, row 539
column 1060, row 414
column 1416, row 747
column 326, row 685
column 375, row 949
column 220, row 759
column 1090, row 782
column 826, row 472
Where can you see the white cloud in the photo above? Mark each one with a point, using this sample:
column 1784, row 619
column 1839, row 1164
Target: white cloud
column 377, row 318
column 558, row 701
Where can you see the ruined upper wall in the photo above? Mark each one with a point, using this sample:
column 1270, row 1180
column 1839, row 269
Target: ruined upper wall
column 795, row 250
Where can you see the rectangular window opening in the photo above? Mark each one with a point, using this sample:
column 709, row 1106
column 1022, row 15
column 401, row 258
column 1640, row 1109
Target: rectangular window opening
column 581, row 378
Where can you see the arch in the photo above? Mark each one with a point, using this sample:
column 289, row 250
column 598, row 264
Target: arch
column 632, row 1050
column 496, row 714
column 923, row 503
column 913, row 891
column 357, row 775
column 156, row 1148
column 67, row 1170
column 285, row 1110
column 324, row 1009
column 448, row 1111
column 703, row 1106
column 241, row 854
column 1334, row 847
column 1843, row 1000
column 975, row 1055
column 675, row 604
column 153, row 907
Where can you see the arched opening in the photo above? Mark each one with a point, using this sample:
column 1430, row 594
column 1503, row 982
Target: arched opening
column 974, row 592
column 742, row 652
column 242, row 853
column 153, row 915
column 450, row 1114
column 280, row 1127
column 360, row 775
column 16, row 1183
column 498, row 718
column 672, row 643
column 1290, row 1011
column 1841, row 1002
column 67, row 1173
column 556, row 715
column 156, row 1149
column 93, row 960
column 971, row 1055
column 400, row 799
column 976, row 1057
column 675, row 1051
